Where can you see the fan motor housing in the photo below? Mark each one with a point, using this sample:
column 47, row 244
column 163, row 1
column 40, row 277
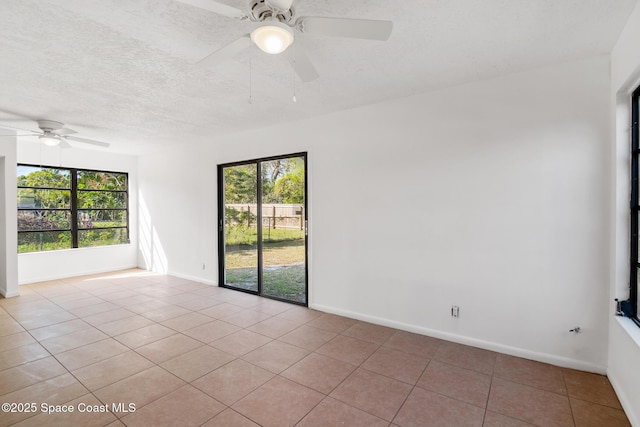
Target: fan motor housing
column 49, row 125
column 261, row 10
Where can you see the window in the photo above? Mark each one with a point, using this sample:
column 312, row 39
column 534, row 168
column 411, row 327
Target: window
column 61, row 208
column 634, row 299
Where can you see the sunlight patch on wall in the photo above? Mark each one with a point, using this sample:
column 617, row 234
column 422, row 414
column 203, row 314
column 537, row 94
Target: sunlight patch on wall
column 150, row 246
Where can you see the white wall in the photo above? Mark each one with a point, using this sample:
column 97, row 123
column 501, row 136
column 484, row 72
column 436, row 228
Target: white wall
column 624, row 337
column 8, row 217
column 40, row 266
column 491, row 196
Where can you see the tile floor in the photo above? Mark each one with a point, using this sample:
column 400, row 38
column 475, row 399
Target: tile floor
column 189, row 354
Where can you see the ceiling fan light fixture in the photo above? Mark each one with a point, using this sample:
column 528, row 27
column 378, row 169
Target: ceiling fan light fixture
column 273, row 38
column 49, row 140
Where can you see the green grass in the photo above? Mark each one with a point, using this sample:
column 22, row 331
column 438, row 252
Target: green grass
column 287, row 282
column 247, row 236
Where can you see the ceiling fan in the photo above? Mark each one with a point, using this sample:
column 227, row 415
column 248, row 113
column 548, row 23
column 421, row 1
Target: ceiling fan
column 276, row 28
column 54, row 133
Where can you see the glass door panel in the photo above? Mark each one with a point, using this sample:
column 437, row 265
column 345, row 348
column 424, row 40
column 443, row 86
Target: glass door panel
column 240, row 227
column 262, row 230
column 283, row 229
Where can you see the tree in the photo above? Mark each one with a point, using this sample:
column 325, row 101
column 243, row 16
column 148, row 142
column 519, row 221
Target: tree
column 289, row 188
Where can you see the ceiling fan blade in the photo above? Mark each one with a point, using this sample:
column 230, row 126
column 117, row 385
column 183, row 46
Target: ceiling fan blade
column 64, row 144
column 342, row 27
column 302, row 64
column 64, row 131
column 283, row 5
column 226, row 52
column 20, row 129
column 216, row 7
column 88, row 141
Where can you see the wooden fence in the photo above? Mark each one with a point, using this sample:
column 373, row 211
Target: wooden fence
column 274, row 216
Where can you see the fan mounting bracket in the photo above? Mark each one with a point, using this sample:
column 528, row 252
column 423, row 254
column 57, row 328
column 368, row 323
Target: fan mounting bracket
column 49, row 125
column 261, row 10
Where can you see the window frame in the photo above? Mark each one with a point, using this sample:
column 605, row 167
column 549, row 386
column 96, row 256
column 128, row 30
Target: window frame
column 73, row 208
column 634, row 262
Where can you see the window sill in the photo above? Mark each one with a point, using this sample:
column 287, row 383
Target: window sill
column 71, row 250
column 631, row 328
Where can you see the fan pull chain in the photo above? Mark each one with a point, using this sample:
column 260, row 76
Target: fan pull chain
column 293, row 73
column 250, row 78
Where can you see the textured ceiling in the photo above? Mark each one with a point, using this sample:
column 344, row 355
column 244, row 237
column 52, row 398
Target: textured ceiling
column 122, row 70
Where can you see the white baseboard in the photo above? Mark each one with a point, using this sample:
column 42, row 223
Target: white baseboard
column 6, row 294
column 628, row 406
column 193, row 278
column 77, row 274
column 474, row 342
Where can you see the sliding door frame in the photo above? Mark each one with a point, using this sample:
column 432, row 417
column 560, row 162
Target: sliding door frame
column 221, row 226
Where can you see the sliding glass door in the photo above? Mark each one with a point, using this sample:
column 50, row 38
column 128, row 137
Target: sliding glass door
column 262, row 223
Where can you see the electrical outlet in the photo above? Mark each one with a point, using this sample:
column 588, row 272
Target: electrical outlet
column 455, row 311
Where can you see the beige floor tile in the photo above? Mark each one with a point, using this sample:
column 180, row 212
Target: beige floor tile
column 233, row 381
column 69, row 305
column 21, row 376
column 59, row 329
column 168, row 348
column 319, row 372
column 198, row 303
column 246, row 318
column 307, row 337
column 241, row 342
column 332, row 323
column 493, row 419
column 186, row 406
column 300, row 314
column 348, row 350
column 587, row 414
column 467, row 357
column 272, row 307
column 165, row 313
column 148, row 306
column 54, row 391
column 230, row 418
column 20, row 355
column 46, row 320
column 82, row 415
column 93, row 309
column 211, row 331
column 118, row 327
column 108, row 316
column 9, row 326
column 528, row 372
column 425, row 408
column 114, row 369
column 369, row 370
column 369, row 332
column 278, row 403
column 459, row 383
column 529, row 404
column 373, row 393
column 222, row 310
column 144, row 336
column 273, row 327
column 331, row 412
column 275, row 356
column 196, row 363
column 187, row 321
column 73, row 340
column 8, row 342
column 90, row 354
column 396, row 364
column 591, row 388
column 140, row 389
